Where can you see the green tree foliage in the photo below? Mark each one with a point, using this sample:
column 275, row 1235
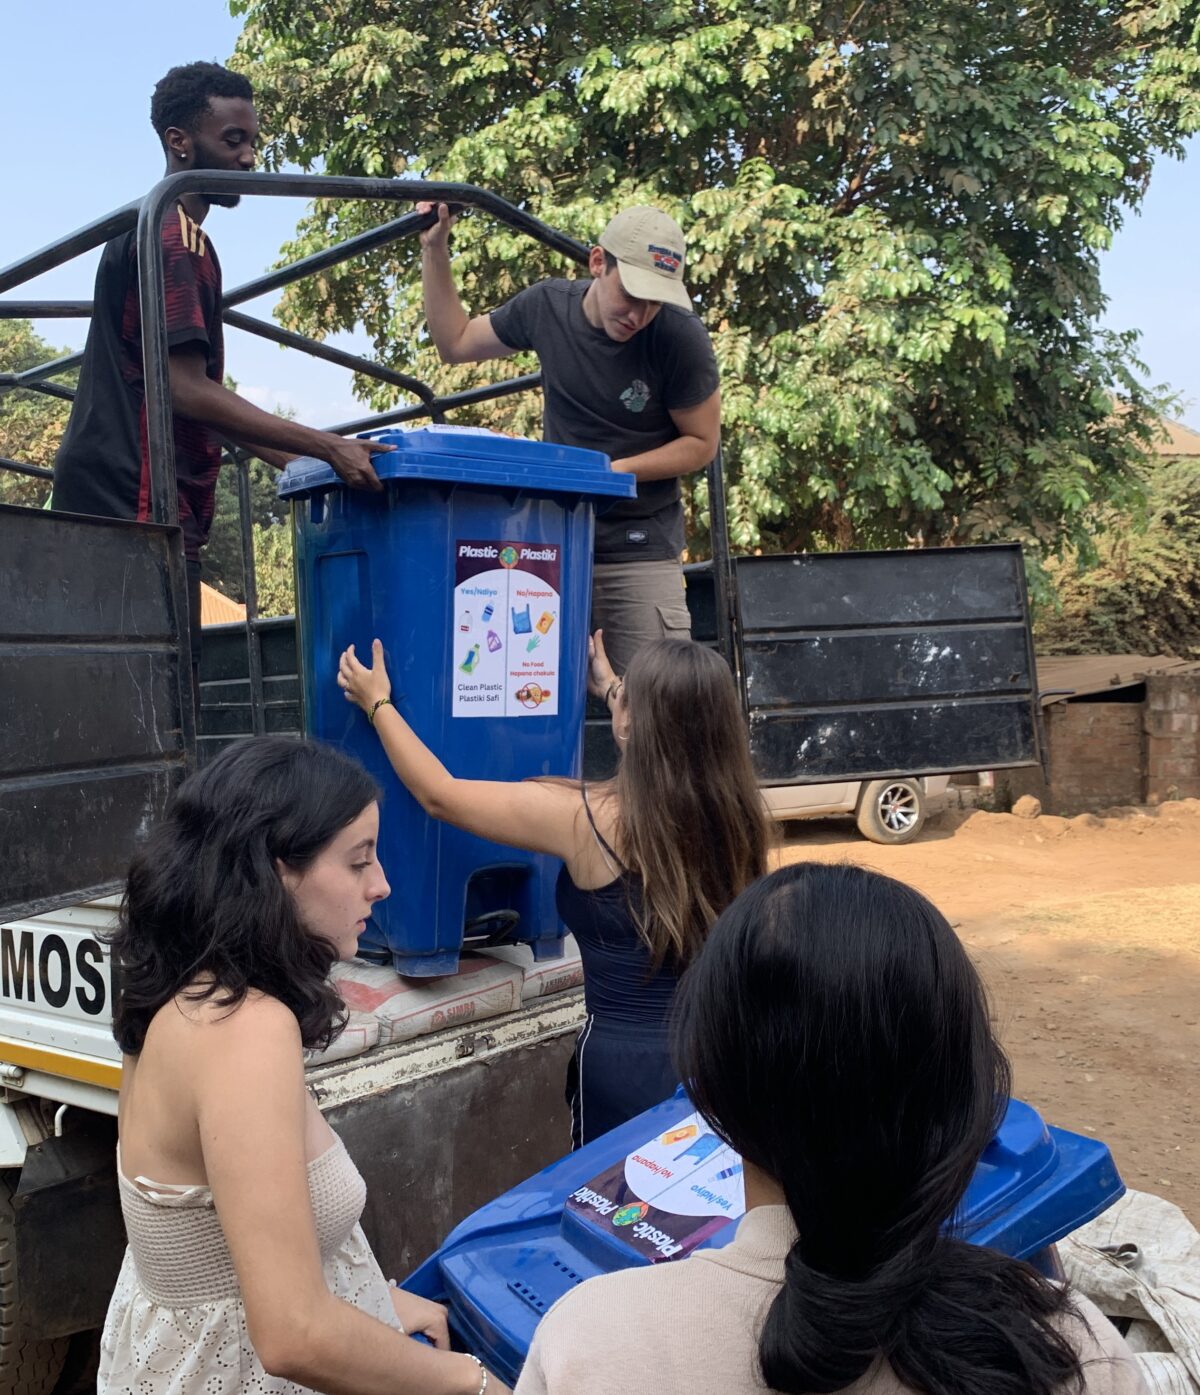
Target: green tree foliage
column 273, row 569
column 894, row 212
column 1142, row 595
column 271, row 535
column 223, row 554
column 270, row 532
column 31, row 424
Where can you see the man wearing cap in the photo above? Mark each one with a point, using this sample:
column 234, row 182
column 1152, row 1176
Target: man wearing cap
column 627, row 369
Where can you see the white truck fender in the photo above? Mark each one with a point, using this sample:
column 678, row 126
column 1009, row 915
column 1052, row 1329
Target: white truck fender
column 13, row 1144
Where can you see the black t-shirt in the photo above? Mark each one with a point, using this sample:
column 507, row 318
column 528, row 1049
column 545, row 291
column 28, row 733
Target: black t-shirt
column 102, row 466
column 616, row 398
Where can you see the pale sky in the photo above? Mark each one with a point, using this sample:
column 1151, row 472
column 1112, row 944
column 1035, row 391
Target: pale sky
column 74, row 105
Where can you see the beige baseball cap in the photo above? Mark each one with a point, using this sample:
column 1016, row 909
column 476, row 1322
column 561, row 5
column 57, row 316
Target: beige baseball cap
column 649, row 248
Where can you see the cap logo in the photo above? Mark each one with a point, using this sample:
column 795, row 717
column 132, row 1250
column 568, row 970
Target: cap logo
column 665, row 259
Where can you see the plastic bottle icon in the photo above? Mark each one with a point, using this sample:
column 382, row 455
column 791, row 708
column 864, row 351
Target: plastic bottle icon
column 707, row 1143
column 464, row 622
column 488, row 611
column 493, row 639
column 468, row 664
column 545, row 622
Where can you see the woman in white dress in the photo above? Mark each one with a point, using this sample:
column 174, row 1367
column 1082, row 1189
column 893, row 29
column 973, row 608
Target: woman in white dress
column 247, row 1269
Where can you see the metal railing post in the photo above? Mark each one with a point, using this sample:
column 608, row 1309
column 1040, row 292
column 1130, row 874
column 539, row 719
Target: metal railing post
column 258, row 715
column 164, row 497
column 725, row 593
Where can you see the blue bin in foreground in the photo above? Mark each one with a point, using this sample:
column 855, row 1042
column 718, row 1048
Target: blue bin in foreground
column 473, row 566
column 663, row 1185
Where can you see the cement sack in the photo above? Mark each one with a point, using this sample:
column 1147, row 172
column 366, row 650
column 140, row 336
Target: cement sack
column 541, row 977
column 406, row 1008
column 1140, row 1261
column 361, row 1033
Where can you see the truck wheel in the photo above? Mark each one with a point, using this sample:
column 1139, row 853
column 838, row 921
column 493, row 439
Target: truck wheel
column 891, row 811
column 26, row 1367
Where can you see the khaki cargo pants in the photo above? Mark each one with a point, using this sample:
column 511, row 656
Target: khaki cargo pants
column 633, row 602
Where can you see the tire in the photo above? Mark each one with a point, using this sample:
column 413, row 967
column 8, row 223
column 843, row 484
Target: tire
column 27, row 1367
column 891, row 811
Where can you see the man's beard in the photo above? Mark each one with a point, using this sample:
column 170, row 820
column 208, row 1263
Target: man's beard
column 203, row 162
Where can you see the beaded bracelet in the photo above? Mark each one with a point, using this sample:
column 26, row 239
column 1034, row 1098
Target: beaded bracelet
column 483, row 1374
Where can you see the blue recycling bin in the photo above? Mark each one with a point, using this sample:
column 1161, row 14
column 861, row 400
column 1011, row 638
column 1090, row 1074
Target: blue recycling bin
column 473, row 566
column 663, row 1185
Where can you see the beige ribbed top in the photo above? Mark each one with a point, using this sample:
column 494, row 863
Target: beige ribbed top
column 177, row 1325
column 692, row 1326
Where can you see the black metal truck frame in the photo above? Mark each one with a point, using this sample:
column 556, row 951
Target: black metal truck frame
column 847, row 670
column 35, row 883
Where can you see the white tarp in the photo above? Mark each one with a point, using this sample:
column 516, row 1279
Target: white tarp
column 1140, row 1261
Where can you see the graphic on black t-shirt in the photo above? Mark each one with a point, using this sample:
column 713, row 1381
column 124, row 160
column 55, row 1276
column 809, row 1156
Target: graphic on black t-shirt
column 636, row 396
column 615, row 397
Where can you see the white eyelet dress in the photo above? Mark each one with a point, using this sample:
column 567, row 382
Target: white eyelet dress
column 176, row 1324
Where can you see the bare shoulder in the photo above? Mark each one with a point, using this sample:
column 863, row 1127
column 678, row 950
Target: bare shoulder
column 257, row 1022
column 605, row 807
column 563, row 798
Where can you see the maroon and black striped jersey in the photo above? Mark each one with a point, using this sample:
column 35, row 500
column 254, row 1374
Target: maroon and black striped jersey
column 102, row 466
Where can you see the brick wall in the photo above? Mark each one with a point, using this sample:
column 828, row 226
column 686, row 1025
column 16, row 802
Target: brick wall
column 1172, row 725
column 1106, row 753
column 1096, row 756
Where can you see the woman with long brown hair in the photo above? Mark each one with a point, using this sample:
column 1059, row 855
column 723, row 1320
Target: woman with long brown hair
column 650, row 858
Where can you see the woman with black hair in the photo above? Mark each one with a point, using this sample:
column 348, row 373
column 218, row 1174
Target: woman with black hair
column 247, row 1269
column 834, row 1032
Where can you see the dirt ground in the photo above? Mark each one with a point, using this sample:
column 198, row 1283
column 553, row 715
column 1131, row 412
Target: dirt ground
column 1087, row 932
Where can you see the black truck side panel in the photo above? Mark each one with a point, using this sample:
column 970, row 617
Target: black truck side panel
column 91, row 739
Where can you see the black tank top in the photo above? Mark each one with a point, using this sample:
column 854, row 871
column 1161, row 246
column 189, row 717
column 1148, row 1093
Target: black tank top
column 619, row 984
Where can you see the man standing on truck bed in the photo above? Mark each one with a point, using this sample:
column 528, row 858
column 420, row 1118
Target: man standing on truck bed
column 627, row 369
column 204, row 116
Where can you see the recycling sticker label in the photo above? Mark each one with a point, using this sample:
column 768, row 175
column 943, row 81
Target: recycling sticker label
column 669, row 1196
column 504, row 644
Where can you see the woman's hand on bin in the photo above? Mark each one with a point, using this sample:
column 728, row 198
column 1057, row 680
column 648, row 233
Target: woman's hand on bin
column 421, row 1318
column 601, row 674
column 364, row 686
column 351, row 460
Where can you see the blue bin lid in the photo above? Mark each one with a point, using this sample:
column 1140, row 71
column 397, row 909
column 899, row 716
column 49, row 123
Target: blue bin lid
column 472, row 455
column 502, row 1268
